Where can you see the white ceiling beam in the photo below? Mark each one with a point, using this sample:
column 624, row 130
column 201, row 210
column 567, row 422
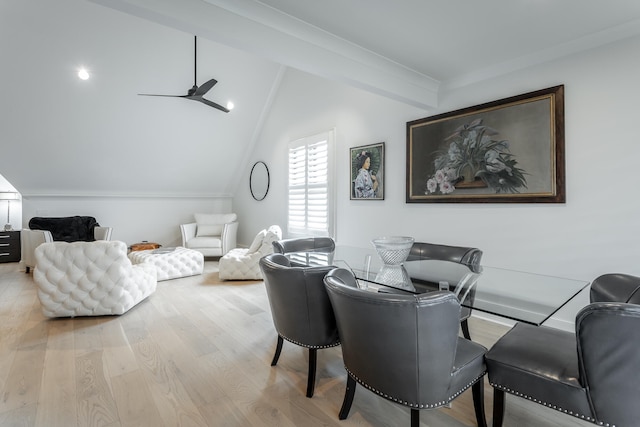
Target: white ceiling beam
column 256, row 28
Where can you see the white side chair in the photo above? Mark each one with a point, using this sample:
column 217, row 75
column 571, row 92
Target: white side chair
column 211, row 234
column 90, row 279
column 243, row 263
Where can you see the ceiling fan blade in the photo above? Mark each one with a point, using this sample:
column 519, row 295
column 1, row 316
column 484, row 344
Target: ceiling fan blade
column 205, row 87
column 196, row 93
column 168, row 96
column 211, row 104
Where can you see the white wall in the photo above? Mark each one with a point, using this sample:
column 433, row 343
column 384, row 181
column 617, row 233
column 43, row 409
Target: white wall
column 15, row 210
column 134, row 219
column 306, row 105
column 596, row 231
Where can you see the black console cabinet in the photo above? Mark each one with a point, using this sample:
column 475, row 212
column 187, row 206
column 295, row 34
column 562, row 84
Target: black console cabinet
column 9, row 246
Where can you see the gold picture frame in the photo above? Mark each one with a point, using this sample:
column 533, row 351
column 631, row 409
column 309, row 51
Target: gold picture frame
column 506, row 151
column 367, row 172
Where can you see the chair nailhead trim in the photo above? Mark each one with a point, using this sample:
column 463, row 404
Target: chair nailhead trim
column 413, row 404
column 310, row 346
column 552, row 406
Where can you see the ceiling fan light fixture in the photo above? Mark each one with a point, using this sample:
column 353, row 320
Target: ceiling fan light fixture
column 83, row 74
column 230, row 105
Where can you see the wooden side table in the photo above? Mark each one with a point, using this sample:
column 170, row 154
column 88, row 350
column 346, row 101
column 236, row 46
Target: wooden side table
column 144, row 246
column 9, row 246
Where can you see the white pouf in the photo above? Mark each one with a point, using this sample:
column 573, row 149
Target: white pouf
column 171, row 264
column 243, row 263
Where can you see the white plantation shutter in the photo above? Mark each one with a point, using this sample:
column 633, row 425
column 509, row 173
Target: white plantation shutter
column 310, row 204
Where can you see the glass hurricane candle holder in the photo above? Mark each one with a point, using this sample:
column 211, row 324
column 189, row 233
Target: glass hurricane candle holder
column 393, row 250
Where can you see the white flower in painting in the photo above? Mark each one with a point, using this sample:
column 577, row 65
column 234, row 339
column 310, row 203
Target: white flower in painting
column 450, row 174
column 440, row 176
column 446, row 187
column 432, row 186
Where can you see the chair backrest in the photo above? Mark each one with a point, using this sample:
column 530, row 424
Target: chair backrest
column 212, row 224
column 608, row 336
column 467, row 256
column 76, row 261
column 400, row 345
column 262, row 243
column 299, row 303
column 345, row 276
column 272, row 234
column 305, row 244
column 616, row 288
column 459, row 254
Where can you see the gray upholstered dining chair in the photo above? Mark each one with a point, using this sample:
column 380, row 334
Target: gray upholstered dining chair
column 404, row 347
column 300, row 308
column 592, row 374
column 305, row 244
column 468, row 256
column 616, row 287
column 460, row 254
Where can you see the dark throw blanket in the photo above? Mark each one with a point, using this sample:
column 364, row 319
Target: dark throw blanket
column 67, row 229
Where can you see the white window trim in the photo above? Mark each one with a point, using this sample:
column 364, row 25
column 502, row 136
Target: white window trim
column 329, row 136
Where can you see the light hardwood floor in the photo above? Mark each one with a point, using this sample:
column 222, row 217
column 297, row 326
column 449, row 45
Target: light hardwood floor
column 196, row 353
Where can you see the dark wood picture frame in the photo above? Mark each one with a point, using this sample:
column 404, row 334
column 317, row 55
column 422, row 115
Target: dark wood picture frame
column 506, row 151
column 367, row 181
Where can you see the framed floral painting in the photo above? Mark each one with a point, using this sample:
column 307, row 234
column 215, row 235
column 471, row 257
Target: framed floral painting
column 505, row 151
column 367, row 172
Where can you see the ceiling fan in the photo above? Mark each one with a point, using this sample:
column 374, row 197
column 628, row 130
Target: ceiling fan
column 196, row 93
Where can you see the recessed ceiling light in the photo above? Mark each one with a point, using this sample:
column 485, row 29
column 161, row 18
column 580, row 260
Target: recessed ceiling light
column 230, row 105
column 83, row 74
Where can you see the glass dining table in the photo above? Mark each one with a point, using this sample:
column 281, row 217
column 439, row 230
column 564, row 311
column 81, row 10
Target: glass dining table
column 516, row 295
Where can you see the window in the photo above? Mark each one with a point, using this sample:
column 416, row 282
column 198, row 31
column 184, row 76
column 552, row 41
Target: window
column 310, row 195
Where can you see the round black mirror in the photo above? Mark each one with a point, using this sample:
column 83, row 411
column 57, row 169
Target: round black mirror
column 259, row 180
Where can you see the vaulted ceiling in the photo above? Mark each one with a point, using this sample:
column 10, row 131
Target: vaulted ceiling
column 458, row 41
column 64, row 136
column 407, row 49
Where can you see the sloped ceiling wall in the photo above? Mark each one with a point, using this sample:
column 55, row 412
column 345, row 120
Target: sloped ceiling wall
column 64, row 136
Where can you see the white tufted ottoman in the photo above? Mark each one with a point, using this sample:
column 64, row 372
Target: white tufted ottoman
column 179, row 262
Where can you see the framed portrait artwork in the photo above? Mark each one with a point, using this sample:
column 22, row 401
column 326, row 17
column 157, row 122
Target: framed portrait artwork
column 367, row 172
column 505, row 151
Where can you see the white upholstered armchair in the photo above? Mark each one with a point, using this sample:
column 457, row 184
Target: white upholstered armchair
column 211, row 234
column 32, row 238
column 90, row 279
